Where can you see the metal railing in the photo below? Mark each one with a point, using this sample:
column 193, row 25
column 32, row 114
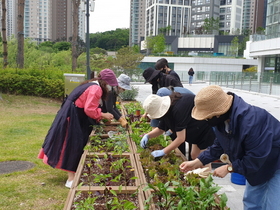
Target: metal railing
column 267, row 83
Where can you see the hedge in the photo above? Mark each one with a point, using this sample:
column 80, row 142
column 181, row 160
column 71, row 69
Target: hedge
column 24, row 84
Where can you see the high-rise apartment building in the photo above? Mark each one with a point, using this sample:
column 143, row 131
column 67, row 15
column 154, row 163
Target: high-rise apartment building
column 11, row 17
column 273, row 20
column 231, row 16
column 137, row 21
column 202, row 9
column 37, row 22
column 45, row 20
column 254, row 13
column 170, row 16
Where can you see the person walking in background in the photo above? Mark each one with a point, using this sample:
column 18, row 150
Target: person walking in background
column 174, row 113
column 70, row 130
column 109, row 105
column 162, row 65
column 248, row 137
column 190, row 73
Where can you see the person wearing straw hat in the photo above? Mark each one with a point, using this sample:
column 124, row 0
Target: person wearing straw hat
column 248, row 137
column 110, row 104
column 174, row 112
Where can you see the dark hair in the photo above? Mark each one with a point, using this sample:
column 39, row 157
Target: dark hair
column 161, row 63
column 175, row 96
column 103, row 84
column 191, row 69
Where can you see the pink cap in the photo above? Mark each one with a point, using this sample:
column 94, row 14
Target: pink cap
column 109, row 76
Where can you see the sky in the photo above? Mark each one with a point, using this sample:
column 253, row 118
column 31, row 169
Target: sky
column 109, row 15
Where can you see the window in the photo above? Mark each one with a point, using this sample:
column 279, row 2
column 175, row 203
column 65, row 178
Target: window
column 221, row 24
column 228, row 17
column 222, row 10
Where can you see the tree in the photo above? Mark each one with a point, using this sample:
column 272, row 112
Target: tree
column 127, row 60
column 260, row 30
column 20, row 34
column 165, row 30
column 234, row 46
column 155, row 44
column 4, row 34
column 110, row 40
column 159, row 45
column 98, row 50
column 211, row 25
column 61, row 46
column 75, row 55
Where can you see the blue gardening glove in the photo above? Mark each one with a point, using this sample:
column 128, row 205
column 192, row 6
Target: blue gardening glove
column 158, row 153
column 167, row 133
column 144, row 141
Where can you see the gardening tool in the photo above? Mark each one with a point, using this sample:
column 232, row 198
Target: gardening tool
column 225, row 159
column 202, row 172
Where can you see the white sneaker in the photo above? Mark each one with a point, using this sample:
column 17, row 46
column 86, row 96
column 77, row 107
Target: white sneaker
column 68, row 184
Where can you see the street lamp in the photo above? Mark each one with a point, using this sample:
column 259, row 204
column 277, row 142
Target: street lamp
column 89, row 7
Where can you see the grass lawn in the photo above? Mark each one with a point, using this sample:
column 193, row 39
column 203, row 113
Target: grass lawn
column 24, row 123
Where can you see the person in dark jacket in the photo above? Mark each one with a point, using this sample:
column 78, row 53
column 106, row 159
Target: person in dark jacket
column 248, row 137
column 159, row 79
column 110, row 104
column 190, row 73
column 70, row 130
column 162, row 65
column 174, row 113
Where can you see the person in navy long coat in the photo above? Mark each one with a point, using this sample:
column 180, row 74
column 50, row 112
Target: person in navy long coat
column 70, row 130
column 247, row 138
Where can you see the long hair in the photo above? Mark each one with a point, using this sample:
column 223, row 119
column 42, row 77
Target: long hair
column 102, row 83
column 175, row 96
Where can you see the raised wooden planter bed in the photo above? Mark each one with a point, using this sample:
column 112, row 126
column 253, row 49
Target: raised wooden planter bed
column 82, row 188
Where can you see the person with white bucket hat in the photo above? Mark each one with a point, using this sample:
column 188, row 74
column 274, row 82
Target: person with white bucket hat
column 174, row 113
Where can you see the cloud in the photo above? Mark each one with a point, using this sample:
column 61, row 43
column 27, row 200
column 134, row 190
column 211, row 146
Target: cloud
column 109, row 15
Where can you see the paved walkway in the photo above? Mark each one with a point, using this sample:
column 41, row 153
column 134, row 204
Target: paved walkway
column 271, row 103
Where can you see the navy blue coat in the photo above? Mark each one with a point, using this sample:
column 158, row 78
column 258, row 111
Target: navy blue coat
column 252, row 143
column 74, row 133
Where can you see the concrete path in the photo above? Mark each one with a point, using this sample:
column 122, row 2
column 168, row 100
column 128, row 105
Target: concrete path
column 271, row 103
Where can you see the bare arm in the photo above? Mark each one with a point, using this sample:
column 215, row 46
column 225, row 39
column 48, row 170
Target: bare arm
column 181, row 136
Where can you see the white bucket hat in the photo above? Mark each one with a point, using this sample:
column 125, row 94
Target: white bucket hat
column 124, row 82
column 156, row 106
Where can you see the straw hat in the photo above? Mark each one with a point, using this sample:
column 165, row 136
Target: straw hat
column 211, row 101
column 124, row 81
column 156, row 106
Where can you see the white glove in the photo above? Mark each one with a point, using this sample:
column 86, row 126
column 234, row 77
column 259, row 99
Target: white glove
column 144, row 141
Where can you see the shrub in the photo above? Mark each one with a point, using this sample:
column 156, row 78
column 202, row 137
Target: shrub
column 23, row 83
column 129, row 95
